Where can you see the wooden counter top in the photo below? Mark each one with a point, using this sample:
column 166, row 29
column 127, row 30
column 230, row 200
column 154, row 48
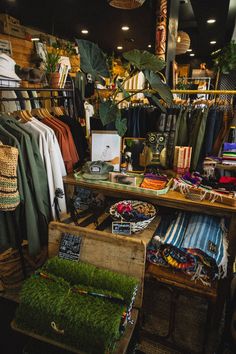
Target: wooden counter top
column 171, row 199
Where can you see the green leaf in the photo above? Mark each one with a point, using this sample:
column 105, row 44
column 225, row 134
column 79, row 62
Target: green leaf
column 92, row 59
column 126, row 94
column 157, row 84
column 155, row 101
column 108, row 112
column 121, row 126
column 144, row 60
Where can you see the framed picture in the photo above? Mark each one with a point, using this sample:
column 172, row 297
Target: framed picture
column 106, row 146
column 134, row 150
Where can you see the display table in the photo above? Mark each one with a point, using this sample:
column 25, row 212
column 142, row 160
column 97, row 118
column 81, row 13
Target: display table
column 216, row 294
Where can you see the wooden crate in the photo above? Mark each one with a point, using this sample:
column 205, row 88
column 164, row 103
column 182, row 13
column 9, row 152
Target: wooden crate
column 9, row 19
column 12, row 30
column 103, row 249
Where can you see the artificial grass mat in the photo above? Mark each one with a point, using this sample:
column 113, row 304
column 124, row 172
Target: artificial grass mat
column 87, row 274
column 90, row 323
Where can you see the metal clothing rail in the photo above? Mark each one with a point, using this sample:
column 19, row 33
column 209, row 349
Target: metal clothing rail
column 214, row 92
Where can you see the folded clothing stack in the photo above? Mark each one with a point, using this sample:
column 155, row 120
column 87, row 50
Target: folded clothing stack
column 77, row 304
column 193, row 243
column 229, row 154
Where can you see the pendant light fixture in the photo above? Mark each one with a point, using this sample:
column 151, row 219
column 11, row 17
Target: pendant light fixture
column 183, row 43
column 126, row 4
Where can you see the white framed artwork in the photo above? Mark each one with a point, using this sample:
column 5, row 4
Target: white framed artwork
column 106, row 146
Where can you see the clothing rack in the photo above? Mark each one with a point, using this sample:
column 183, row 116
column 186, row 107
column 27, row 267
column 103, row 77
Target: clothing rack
column 70, row 90
column 52, row 97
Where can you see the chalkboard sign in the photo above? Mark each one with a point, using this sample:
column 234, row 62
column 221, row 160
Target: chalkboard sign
column 121, row 228
column 70, row 247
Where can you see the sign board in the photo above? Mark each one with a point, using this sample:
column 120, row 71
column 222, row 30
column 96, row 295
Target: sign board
column 121, row 228
column 5, row 47
column 70, row 247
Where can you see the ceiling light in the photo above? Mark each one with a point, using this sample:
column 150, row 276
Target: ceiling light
column 35, row 39
column 212, row 42
column 119, row 47
column 125, row 28
column 149, row 46
column 211, row 20
column 192, row 55
column 189, row 50
column 84, row 31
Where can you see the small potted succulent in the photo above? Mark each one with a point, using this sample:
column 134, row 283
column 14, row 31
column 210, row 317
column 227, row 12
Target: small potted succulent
column 51, row 67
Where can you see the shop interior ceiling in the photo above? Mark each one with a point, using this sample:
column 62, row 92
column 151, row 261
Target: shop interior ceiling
column 66, row 19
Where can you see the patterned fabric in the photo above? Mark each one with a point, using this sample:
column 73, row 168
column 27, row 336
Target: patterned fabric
column 194, row 243
column 9, row 195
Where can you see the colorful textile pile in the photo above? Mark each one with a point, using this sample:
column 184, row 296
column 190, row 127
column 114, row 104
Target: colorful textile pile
column 77, row 304
column 151, row 181
column 229, row 154
column 193, row 243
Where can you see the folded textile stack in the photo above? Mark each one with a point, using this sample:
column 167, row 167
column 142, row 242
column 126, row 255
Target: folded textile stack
column 229, row 154
column 193, row 243
column 77, row 304
column 152, row 181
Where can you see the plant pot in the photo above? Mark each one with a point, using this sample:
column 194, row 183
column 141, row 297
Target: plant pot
column 53, row 79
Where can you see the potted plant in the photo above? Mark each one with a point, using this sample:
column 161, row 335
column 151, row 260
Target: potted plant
column 51, row 67
column 94, row 62
column 225, row 63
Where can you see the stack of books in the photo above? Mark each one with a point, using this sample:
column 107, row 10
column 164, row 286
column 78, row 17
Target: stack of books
column 182, row 159
column 64, row 67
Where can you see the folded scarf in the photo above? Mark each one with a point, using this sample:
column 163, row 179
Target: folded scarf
column 194, row 243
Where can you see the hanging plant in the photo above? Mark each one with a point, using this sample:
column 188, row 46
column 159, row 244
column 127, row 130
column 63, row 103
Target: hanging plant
column 94, row 61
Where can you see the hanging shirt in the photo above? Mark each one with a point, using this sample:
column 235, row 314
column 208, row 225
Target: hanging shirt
column 53, row 161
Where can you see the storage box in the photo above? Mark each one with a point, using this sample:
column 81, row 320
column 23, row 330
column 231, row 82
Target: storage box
column 12, row 29
column 9, row 19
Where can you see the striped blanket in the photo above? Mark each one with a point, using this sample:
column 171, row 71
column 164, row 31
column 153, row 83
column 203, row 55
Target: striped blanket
column 193, row 243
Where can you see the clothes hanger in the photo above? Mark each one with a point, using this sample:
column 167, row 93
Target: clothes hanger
column 36, row 112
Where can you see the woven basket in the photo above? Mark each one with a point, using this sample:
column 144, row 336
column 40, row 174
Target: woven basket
column 139, row 225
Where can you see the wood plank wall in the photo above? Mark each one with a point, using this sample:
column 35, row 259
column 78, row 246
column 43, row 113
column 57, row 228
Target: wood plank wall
column 21, row 50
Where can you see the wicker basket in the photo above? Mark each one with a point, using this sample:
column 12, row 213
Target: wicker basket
column 126, row 4
column 139, row 225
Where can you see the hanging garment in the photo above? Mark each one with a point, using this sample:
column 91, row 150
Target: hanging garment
column 35, row 172
column 9, row 194
column 53, row 162
column 62, row 138
column 78, row 136
column 23, row 223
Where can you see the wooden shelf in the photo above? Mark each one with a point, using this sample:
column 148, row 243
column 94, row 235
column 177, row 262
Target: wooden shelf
column 181, row 280
column 171, row 199
column 226, row 167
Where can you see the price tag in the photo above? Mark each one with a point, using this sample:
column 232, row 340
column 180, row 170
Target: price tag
column 121, row 228
column 70, row 247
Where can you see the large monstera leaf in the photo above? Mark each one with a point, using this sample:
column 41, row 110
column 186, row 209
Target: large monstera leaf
column 108, row 112
column 121, row 126
column 144, row 60
column 157, row 84
column 155, row 101
column 92, row 59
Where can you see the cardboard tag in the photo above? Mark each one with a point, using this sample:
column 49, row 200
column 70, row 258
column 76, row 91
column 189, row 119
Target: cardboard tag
column 121, row 228
column 70, row 247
